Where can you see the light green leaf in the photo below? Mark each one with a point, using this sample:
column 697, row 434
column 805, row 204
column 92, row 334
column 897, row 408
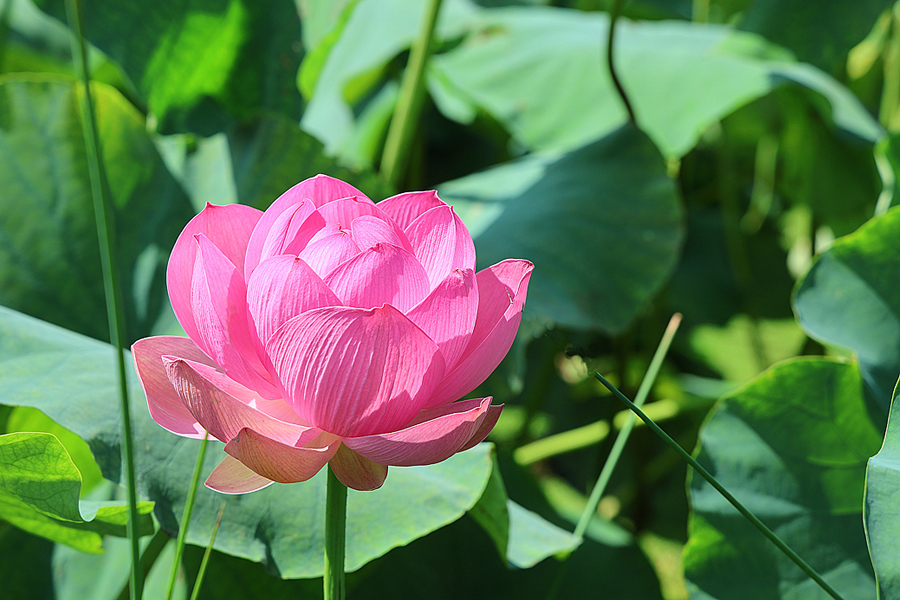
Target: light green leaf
column 791, row 446
column 850, row 298
column 39, row 493
column 541, row 72
column 602, row 225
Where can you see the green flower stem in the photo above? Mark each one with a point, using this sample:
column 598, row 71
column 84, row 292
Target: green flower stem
column 105, row 232
column 613, row 17
column 804, row 566
column 335, row 534
column 625, row 432
column 186, row 517
column 195, row 593
column 409, row 104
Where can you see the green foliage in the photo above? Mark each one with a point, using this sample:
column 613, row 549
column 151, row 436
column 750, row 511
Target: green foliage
column 39, row 493
column 792, row 447
column 756, row 146
column 613, row 194
column 856, row 279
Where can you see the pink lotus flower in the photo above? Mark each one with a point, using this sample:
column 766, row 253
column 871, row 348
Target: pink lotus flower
column 333, row 330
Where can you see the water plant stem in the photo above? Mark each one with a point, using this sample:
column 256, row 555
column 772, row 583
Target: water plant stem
column 613, row 17
column 409, row 103
column 335, row 535
column 105, row 232
column 625, row 432
column 186, row 516
column 195, row 593
column 762, row 527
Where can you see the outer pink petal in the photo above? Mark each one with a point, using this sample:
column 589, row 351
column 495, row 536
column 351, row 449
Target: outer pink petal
column 352, row 372
column 219, row 305
column 357, row 472
column 232, row 477
column 220, row 413
column 165, row 405
column 406, row 208
column 490, row 419
column 320, row 189
column 330, row 247
column 441, row 242
column 228, row 228
column 383, row 274
column 282, row 287
column 501, row 294
column 281, row 462
column 448, row 314
column 425, row 443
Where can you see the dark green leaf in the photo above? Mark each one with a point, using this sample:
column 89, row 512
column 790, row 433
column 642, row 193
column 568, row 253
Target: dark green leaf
column 882, row 519
column 49, row 255
column 792, row 447
column 850, row 298
column 603, row 226
column 821, row 33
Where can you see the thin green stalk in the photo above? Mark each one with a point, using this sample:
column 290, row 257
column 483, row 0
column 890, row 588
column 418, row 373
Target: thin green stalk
column 335, row 534
column 212, row 540
column 148, row 558
column 186, row 517
column 625, row 432
column 804, row 566
column 613, row 17
column 409, row 104
column 105, row 232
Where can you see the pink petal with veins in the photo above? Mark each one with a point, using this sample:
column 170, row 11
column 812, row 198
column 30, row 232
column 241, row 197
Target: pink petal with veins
column 228, row 228
column 165, row 404
column 406, row 208
column 501, row 295
column 441, row 243
column 357, row 472
column 383, row 274
column 436, row 439
column 351, row 371
column 232, row 477
column 281, row 462
column 448, row 314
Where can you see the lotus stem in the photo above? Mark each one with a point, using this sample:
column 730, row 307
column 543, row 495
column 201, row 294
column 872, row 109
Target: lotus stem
column 754, row 520
column 335, row 536
column 105, row 232
column 409, row 103
column 613, row 17
column 195, row 593
column 186, row 516
column 625, row 432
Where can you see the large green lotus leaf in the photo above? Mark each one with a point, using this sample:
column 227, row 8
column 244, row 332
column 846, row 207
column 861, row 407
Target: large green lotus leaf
column 50, row 258
column 603, row 226
column 882, row 512
column 792, row 447
column 40, row 488
column 821, row 33
column 850, row 298
column 215, row 56
column 541, row 72
column 70, row 379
